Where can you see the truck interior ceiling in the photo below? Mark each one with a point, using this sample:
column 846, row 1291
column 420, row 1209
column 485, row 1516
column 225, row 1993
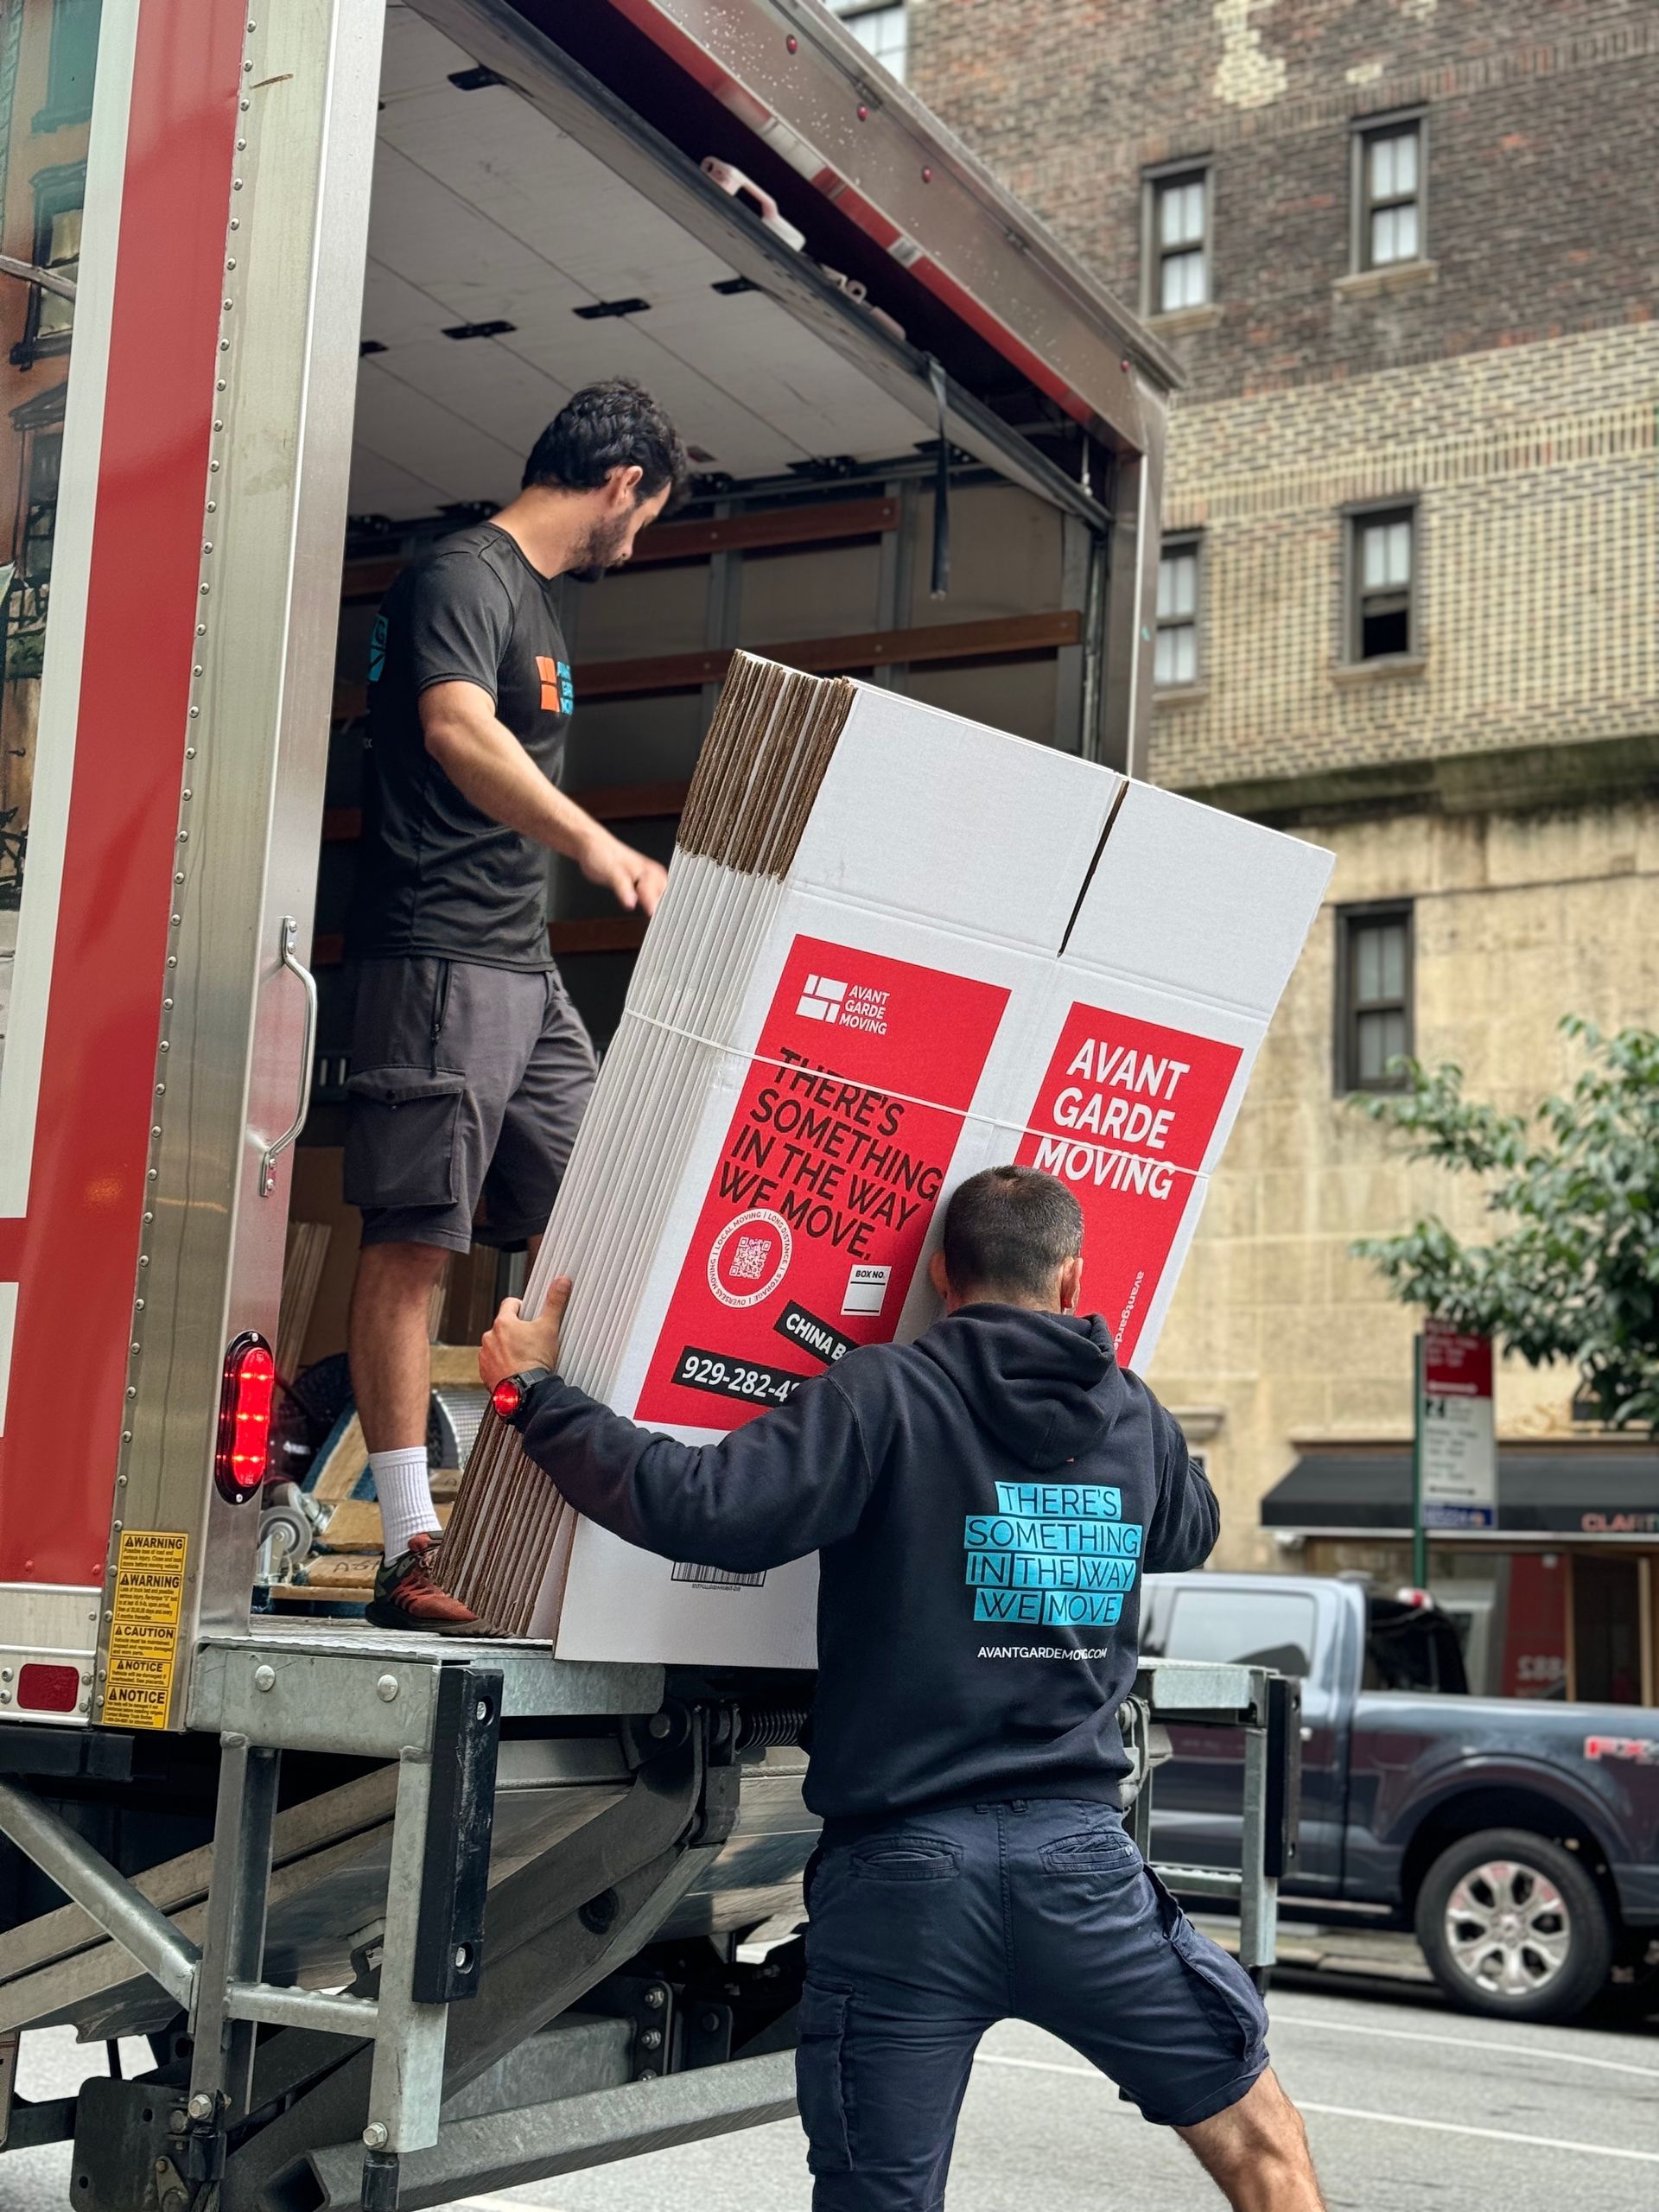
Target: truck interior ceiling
column 528, row 236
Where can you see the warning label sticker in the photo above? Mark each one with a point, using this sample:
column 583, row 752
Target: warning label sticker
column 827, row 1181
column 144, row 1627
column 1125, row 1116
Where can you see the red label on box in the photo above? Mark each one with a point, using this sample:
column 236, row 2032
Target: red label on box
column 1124, row 1117
column 813, row 1225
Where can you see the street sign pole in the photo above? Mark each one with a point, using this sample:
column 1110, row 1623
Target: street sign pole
column 1454, row 1438
column 1418, row 1534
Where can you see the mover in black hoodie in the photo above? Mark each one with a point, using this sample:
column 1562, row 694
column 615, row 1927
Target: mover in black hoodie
column 984, row 1502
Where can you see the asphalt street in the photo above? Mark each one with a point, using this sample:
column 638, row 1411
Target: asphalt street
column 1407, row 2105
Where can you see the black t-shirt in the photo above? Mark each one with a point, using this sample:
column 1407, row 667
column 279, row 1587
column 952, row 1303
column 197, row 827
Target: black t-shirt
column 436, row 876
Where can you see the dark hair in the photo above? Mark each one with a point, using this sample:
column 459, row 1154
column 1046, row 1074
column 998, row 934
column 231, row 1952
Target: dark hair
column 616, row 424
column 1009, row 1230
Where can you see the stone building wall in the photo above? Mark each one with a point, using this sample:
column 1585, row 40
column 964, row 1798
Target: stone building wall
column 1503, row 777
column 1518, row 920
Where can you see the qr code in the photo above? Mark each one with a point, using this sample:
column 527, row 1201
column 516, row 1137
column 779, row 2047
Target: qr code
column 750, row 1260
column 716, row 1578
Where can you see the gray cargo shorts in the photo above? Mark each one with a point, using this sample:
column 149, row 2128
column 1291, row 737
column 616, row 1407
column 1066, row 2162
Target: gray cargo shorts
column 468, row 1086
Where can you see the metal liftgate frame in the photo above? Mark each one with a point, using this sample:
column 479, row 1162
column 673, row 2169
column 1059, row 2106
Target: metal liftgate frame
column 400, row 2092
column 1268, row 1706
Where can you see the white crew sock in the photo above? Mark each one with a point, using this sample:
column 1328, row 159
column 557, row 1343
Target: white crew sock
column 405, row 1489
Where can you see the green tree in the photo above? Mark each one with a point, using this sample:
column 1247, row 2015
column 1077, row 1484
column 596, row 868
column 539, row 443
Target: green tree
column 1571, row 1270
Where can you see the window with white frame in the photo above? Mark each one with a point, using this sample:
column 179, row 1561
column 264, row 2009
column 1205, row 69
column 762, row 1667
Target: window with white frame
column 879, row 29
column 1178, row 241
column 1175, row 651
column 1389, row 194
column 1382, row 583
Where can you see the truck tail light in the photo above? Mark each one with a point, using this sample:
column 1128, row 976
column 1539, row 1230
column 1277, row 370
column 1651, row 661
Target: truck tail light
column 244, row 1405
column 48, row 1689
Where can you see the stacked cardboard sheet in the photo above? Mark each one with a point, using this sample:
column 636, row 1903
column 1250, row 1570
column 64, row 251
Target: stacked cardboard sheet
column 896, row 947
column 303, row 1262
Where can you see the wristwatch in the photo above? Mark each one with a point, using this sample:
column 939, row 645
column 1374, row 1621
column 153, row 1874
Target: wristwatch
column 511, row 1396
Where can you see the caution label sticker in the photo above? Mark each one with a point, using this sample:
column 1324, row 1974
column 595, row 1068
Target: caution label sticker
column 145, row 1628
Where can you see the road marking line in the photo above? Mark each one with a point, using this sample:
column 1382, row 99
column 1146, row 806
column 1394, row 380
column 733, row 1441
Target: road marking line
column 501, row 2203
column 1486, row 2134
column 1383, row 2119
column 1464, row 2042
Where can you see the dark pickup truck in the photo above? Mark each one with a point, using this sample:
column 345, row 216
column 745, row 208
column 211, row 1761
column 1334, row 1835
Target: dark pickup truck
column 1519, row 1837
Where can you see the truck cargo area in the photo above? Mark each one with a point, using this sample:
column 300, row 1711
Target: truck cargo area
column 528, row 237
column 408, row 1917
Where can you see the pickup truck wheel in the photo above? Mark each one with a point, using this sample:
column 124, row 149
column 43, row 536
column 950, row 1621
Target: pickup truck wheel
column 1512, row 1925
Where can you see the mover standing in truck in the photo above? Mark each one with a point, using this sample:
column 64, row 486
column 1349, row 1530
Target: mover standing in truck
column 973, row 1863
column 470, row 1065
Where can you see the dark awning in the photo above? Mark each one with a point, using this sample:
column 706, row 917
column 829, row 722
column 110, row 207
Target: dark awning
column 1559, row 1489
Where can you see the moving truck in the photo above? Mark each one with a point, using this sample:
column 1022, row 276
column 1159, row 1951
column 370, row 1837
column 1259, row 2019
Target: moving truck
column 290, row 288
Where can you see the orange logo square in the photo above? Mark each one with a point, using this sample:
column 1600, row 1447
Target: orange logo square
column 547, row 670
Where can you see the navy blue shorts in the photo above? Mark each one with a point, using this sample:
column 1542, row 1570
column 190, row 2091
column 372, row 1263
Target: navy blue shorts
column 926, row 1934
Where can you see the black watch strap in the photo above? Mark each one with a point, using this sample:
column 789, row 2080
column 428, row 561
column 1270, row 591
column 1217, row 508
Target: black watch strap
column 512, row 1395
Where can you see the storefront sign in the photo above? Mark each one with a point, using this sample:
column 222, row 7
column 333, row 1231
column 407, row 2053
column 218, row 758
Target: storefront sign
column 1457, row 1452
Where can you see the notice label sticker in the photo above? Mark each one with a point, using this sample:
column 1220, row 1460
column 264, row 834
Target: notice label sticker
column 832, row 1166
column 144, row 1627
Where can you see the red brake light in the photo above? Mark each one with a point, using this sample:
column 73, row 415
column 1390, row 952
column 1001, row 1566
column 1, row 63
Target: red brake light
column 244, row 1405
column 48, row 1689
column 506, row 1397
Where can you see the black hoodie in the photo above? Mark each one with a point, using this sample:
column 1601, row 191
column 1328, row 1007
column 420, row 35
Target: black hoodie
column 984, row 1501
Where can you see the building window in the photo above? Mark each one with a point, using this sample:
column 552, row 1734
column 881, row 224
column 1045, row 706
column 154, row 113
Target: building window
column 1175, row 654
column 40, row 518
column 73, row 63
column 1177, row 245
column 879, row 29
column 1381, row 584
column 59, row 195
column 1374, row 1000
column 1389, row 194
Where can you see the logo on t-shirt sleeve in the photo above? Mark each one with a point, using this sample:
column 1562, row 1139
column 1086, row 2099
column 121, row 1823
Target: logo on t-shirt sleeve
column 558, row 685
column 378, row 649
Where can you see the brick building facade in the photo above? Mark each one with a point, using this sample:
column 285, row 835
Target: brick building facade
column 1405, row 251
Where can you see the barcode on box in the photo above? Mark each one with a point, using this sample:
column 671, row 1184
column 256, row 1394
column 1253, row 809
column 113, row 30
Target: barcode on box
column 716, row 1578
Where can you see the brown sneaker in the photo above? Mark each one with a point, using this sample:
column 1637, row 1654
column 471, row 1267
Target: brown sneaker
column 406, row 1596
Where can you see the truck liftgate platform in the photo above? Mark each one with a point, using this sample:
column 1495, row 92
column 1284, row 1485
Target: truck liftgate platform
column 504, row 1946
